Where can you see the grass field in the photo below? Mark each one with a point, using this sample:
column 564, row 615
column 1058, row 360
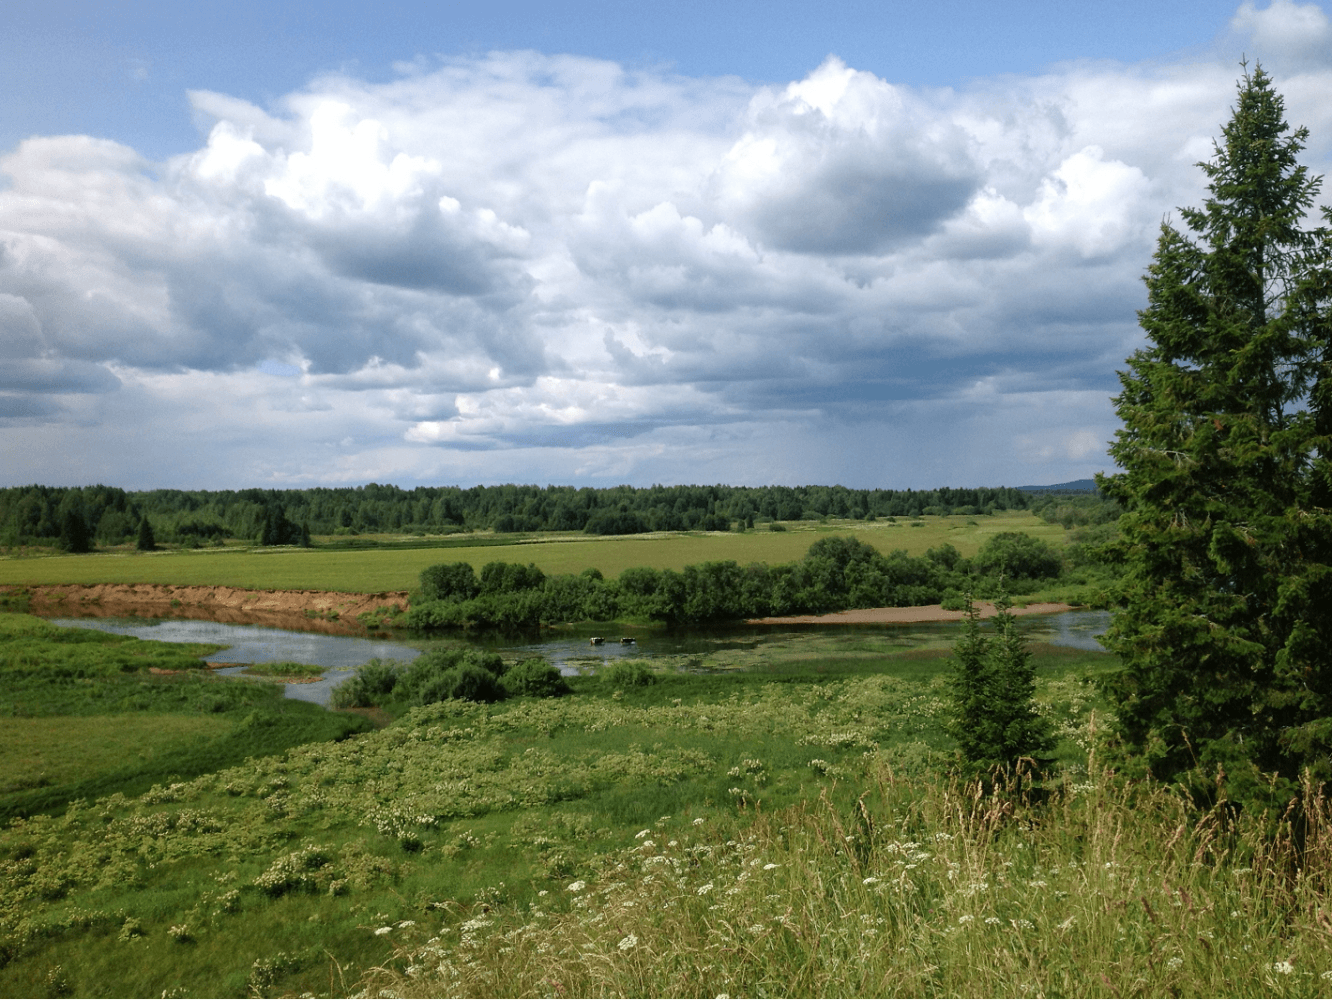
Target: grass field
column 38, row 753
column 87, row 714
column 376, row 570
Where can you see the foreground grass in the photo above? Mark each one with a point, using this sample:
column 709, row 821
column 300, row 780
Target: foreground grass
column 378, row 570
column 303, row 871
column 919, row 886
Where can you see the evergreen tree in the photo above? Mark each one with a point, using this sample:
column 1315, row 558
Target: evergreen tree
column 146, row 542
column 1225, row 619
column 994, row 721
column 74, row 534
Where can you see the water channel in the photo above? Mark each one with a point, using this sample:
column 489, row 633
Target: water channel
column 567, row 648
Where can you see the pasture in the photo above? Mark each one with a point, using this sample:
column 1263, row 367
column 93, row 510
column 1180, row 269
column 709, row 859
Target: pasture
column 373, row 570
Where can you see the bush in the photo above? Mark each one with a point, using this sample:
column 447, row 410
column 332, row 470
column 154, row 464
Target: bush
column 535, row 678
column 371, row 685
column 630, row 673
column 467, row 682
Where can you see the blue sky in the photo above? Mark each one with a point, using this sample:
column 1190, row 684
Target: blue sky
column 878, row 244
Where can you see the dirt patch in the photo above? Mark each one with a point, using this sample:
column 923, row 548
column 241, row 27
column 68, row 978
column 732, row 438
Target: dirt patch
column 903, row 616
column 325, row 611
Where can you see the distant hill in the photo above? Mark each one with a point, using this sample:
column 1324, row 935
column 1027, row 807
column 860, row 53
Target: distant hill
column 1077, row 486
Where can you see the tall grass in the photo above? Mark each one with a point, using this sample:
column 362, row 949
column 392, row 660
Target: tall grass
column 918, row 887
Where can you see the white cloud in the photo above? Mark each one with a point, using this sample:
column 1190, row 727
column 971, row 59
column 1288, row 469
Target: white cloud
column 1285, row 35
column 542, row 268
column 1089, row 204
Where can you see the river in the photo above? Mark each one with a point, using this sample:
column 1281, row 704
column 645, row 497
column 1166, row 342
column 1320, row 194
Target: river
column 570, row 649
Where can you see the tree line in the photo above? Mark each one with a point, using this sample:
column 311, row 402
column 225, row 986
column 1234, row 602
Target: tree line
column 105, row 515
column 836, row 573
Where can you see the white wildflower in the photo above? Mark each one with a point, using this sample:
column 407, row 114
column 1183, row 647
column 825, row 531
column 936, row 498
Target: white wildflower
column 703, row 890
column 578, row 886
column 641, row 834
column 770, row 866
column 1175, row 962
column 870, row 881
column 966, row 918
column 1285, row 968
column 627, row 942
column 993, row 920
column 381, row 931
column 699, row 821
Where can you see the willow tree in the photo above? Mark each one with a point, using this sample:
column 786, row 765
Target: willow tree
column 1225, row 620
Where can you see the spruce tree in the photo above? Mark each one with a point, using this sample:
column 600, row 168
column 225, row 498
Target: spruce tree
column 146, row 542
column 1225, row 620
column 994, row 721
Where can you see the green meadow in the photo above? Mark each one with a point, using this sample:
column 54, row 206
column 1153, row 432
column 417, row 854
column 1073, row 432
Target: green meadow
column 392, row 567
column 269, row 875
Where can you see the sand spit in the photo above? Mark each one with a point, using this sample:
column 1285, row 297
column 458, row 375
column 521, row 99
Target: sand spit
column 326, row 611
column 903, row 616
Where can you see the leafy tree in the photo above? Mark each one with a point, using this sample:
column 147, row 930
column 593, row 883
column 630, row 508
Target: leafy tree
column 449, row 582
column 1225, row 618
column 146, row 541
column 1016, row 556
column 994, row 721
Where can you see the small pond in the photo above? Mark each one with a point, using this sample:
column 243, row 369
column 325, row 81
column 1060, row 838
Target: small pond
column 570, row 649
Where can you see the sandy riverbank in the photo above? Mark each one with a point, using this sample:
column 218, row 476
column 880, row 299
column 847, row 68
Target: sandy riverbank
column 308, row 610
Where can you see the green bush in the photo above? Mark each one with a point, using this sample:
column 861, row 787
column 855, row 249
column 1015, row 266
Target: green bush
column 630, row 673
column 467, row 682
column 535, row 678
column 371, row 685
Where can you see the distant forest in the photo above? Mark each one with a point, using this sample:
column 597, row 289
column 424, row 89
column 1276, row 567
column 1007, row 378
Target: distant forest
column 75, row 517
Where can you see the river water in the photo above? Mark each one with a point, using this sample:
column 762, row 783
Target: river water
column 569, row 649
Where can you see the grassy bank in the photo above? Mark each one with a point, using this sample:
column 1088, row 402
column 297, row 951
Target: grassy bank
column 376, row 570
column 89, row 714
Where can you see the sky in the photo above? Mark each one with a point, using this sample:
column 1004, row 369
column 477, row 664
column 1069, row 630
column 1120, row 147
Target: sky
column 878, row 244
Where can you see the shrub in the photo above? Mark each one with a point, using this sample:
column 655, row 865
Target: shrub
column 629, row 673
column 467, row 682
column 371, row 685
column 535, row 678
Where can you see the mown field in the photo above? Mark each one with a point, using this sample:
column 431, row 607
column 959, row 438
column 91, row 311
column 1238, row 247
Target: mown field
column 375, row 570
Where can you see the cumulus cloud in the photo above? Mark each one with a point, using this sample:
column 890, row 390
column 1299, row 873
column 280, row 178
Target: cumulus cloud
column 1286, row 35
column 548, row 268
column 843, row 162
